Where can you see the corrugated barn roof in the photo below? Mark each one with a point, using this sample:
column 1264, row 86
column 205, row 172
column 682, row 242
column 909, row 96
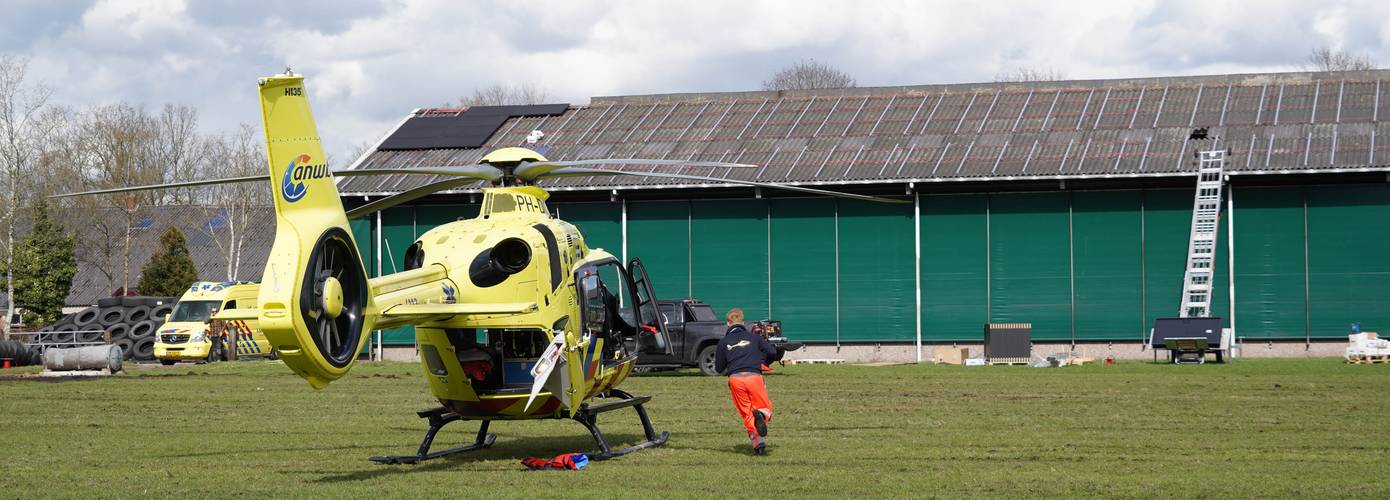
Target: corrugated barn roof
column 1271, row 123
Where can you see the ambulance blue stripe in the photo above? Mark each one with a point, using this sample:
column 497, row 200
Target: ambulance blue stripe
column 589, row 355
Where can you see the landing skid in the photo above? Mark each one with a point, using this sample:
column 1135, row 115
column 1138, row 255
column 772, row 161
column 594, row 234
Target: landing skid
column 586, row 415
column 439, row 417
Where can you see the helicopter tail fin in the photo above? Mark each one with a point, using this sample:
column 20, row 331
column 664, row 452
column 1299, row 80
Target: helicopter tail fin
column 316, row 306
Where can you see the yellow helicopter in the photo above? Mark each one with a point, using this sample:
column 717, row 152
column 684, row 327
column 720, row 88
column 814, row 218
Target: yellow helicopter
column 515, row 317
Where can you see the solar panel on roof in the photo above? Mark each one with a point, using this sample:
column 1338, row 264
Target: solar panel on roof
column 469, row 129
column 217, row 221
column 142, row 223
column 201, row 239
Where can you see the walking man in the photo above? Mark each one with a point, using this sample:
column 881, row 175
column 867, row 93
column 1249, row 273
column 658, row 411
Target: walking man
column 741, row 355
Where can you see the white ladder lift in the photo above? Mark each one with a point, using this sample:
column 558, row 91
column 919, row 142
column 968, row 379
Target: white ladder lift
column 1201, row 250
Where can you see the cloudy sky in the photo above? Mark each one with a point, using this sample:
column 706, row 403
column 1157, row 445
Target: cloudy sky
column 370, row 62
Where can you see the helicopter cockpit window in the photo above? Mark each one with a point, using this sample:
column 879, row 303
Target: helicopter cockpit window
column 502, row 204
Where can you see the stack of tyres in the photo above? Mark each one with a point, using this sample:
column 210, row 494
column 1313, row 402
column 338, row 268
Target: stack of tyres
column 129, row 322
column 19, row 354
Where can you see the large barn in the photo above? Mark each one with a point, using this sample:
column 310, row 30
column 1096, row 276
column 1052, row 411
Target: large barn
column 1064, row 204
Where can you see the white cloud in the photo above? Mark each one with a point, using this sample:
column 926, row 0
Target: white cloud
column 118, row 21
column 369, row 64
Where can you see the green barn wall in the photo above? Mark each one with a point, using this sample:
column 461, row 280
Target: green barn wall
column 1114, row 257
column 1348, row 259
column 954, row 267
column 1269, row 270
column 728, row 251
column 600, row 223
column 363, row 234
column 1029, row 264
column 803, row 267
column 1107, row 247
column 430, row 217
column 398, row 227
column 877, row 280
column 658, row 232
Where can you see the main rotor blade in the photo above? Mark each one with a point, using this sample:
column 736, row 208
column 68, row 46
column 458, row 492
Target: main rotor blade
column 533, row 171
column 484, row 172
column 581, row 171
column 406, row 196
column 230, row 180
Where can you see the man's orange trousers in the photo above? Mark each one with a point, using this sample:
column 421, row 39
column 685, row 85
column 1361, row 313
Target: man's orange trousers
column 750, row 395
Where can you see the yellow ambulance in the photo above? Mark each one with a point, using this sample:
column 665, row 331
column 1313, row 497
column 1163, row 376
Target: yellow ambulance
column 186, row 333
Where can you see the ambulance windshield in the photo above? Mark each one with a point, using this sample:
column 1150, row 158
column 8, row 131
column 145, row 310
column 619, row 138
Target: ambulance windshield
column 194, row 310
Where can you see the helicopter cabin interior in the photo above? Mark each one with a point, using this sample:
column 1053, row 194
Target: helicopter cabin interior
column 499, row 360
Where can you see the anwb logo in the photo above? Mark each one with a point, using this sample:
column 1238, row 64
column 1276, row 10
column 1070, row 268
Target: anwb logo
column 292, row 186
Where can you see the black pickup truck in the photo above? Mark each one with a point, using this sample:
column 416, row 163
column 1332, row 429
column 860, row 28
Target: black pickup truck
column 694, row 329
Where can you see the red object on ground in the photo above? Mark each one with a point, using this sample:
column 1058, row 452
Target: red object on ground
column 571, row 461
column 766, row 369
column 5, row 363
column 750, row 394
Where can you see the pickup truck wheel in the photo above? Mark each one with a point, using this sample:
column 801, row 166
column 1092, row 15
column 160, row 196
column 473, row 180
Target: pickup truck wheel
column 706, row 360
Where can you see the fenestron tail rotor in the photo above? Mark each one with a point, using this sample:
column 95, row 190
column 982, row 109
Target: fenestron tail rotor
column 334, row 296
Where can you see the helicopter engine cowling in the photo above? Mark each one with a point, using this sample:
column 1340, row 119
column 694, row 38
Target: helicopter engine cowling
column 494, row 265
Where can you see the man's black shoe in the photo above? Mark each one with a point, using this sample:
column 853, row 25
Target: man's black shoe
column 760, row 449
column 760, row 423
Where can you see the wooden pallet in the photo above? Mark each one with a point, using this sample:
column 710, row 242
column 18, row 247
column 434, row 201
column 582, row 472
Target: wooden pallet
column 1362, row 359
column 1008, row 361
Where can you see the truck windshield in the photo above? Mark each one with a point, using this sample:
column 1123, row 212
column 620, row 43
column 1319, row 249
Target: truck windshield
column 194, row 310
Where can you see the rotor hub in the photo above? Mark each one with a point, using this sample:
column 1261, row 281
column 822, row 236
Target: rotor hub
column 332, row 297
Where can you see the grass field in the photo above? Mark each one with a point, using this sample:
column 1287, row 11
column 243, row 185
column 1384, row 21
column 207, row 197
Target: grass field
column 1256, row 428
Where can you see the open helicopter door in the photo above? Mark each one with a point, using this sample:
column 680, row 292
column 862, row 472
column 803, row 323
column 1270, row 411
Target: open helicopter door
column 552, row 372
column 652, row 337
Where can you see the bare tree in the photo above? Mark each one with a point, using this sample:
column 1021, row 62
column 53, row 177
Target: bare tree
column 809, row 74
column 232, row 206
column 1328, row 59
column 122, row 142
column 176, row 138
column 354, row 153
column 502, row 95
column 58, row 154
column 20, row 105
column 1031, row 74
column 68, row 163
